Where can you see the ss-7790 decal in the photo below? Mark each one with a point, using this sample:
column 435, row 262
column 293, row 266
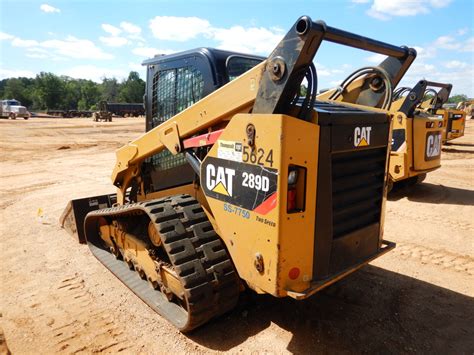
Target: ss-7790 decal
column 248, row 186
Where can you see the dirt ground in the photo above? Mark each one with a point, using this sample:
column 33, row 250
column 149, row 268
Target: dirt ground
column 56, row 297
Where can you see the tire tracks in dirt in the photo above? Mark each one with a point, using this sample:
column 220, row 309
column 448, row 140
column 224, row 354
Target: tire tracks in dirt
column 433, row 218
column 441, row 258
column 91, row 330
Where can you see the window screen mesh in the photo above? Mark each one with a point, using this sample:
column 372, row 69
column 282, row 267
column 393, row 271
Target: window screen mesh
column 173, row 91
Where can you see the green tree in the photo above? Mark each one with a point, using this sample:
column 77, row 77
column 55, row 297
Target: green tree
column 110, row 89
column 132, row 89
column 16, row 89
column 49, row 90
column 90, row 95
column 454, row 99
column 72, row 93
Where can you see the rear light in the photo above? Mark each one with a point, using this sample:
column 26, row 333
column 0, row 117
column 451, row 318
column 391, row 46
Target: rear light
column 429, row 124
column 296, row 189
column 294, row 273
column 292, row 177
column 291, row 206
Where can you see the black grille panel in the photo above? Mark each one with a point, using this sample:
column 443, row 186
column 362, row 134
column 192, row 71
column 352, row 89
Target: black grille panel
column 357, row 189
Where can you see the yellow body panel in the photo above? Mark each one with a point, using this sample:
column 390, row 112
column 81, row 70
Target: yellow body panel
column 280, row 240
column 458, row 123
column 410, row 158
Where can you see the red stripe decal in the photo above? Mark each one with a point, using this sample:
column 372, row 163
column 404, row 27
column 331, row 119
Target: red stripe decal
column 202, row 140
column 267, row 205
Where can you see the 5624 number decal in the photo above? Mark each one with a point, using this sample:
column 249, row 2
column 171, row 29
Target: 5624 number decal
column 258, row 156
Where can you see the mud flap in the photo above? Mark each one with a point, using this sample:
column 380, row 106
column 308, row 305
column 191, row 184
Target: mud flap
column 72, row 218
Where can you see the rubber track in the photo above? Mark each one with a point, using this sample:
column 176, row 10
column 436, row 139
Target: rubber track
column 198, row 255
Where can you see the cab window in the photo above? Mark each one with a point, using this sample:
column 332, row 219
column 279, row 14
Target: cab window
column 173, row 91
column 237, row 65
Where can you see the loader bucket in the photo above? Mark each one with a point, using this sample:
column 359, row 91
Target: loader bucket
column 72, row 218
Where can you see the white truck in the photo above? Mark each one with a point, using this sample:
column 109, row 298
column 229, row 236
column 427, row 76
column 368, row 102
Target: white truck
column 13, row 109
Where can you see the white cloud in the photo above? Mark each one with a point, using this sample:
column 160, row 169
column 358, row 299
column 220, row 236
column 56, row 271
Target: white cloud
column 425, row 52
column 114, row 31
column 57, row 49
column 236, row 38
column 130, row 28
column 114, row 41
column 25, row 43
column 378, row 15
column 420, row 70
column 455, row 64
column 248, row 40
column 149, row 52
column 376, row 58
column 5, row 36
column 385, row 9
column 49, row 9
column 447, row 42
column 37, row 55
column 439, row 3
column 179, row 29
column 136, row 66
column 360, row 1
column 462, row 31
column 92, row 72
column 77, row 48
column 468, row 46
column 14, row 73
column 454, row 72
column 126, row 30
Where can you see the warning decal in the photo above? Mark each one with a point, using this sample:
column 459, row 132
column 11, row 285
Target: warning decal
column 229, row 150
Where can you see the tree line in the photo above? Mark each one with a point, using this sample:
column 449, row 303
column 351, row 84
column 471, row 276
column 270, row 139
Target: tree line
column 50, row 91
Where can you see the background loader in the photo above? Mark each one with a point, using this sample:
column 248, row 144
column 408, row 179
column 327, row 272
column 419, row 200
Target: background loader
column 416, row 133
column 454, row 120
column 434, row 103
column 239, row 182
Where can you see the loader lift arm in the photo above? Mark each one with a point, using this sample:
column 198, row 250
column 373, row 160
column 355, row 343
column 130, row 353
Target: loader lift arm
column 270, row 87
column 439, row 98
column 415, row 97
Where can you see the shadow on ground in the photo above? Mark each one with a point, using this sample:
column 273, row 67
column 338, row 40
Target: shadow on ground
column 459, row 144
column 432, row 193
column 373, row 310
column 455, row 150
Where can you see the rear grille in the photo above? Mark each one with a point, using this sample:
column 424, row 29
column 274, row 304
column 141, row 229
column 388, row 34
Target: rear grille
column 357, row 189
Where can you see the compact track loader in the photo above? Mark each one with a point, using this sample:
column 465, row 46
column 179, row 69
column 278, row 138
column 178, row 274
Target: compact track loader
column 454, row 120
column 239, row 182
column 416, row 132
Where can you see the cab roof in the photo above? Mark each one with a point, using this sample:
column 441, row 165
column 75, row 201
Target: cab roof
column 212, row 54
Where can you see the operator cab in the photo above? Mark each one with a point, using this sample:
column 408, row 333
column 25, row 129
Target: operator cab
column 175, row 82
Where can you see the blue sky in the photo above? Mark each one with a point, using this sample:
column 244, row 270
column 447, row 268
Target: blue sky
column 93, row 39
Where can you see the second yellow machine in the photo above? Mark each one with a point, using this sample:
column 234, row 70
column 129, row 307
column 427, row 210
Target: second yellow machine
column 239, row 182
column 416, row 132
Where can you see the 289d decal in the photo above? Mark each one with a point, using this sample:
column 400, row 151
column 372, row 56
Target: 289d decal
column 248, row 186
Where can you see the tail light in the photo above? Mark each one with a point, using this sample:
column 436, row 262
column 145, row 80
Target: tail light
column 296, row 189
